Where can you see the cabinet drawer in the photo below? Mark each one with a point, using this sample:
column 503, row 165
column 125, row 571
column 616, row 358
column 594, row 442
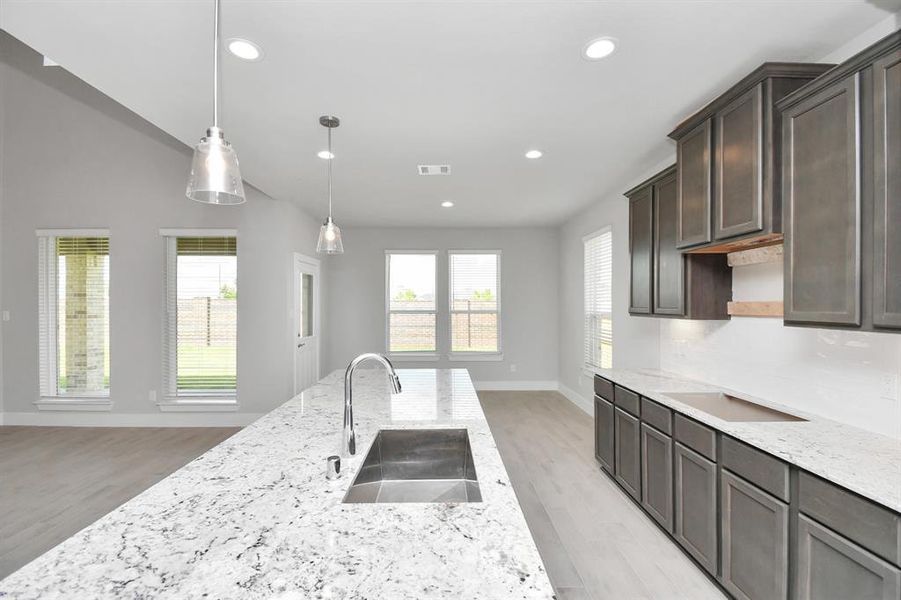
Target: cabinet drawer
column 698, row 437
column 761, row 469
column 657, row 415
column 603, row 388
column 875, row 528
column 626, row 400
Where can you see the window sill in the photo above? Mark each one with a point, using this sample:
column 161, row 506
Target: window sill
column 74, row 403
column 476, row 357
column 199, row 404
column 412, row 357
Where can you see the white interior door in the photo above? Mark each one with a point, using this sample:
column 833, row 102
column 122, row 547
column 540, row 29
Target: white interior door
column 306, row 322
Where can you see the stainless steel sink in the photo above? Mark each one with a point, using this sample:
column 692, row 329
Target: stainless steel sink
column 730, row 408
column 417, row 465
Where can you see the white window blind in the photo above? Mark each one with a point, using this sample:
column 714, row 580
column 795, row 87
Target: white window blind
column 475, row 302
column 412, row 311
column 599, row 299
column 201, row 316
column 73, row 317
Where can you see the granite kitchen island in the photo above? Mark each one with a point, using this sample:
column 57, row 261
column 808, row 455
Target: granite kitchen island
column 255, row 517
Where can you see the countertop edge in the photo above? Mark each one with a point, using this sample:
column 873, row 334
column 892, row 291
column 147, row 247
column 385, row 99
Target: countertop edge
column 741, row 430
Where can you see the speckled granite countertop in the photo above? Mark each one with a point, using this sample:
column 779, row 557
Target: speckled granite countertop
column 864, row 462
column 255, row 517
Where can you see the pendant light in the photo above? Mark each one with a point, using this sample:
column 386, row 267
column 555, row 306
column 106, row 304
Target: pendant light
column 215, row 178
column 329, row 234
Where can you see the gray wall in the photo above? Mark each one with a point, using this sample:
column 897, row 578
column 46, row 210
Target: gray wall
column 74, row 158
column 356, row 296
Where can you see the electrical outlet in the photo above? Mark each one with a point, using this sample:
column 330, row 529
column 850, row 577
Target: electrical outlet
column 152, row 396
column 890, row 386
column 513, row 368
column 6, row 315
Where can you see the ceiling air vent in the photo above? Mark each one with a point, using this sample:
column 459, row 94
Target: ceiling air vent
column 434, row 169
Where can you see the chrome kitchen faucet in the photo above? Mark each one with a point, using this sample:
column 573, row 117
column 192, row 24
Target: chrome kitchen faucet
column 349, row 441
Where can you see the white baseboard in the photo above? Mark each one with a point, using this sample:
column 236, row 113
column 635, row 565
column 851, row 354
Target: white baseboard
column 576, row 398
column 514, row 386
column 95, row 419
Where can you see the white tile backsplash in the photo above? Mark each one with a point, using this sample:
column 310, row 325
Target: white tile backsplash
column 851, row 377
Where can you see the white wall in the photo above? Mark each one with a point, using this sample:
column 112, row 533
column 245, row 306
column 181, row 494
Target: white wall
column 635, row 339
column 356, row 297
column 74, row 158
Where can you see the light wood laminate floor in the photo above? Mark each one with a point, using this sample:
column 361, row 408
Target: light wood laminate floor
column 54, row 481
column 595, row 543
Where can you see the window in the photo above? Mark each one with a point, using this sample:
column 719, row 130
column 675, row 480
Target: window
column 201, row 317
column 475, row 302
column 74, row 313
column 599, row 299
column 411, row 302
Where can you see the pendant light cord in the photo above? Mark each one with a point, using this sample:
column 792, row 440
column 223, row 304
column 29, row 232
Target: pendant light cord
column 216, row 66
column 330, row 159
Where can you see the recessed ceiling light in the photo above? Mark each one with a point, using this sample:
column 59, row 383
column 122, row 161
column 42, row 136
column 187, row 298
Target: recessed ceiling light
column 599, row 48
column 534, row 154
column 447, row 204
column 325, row 154
column 244, row 49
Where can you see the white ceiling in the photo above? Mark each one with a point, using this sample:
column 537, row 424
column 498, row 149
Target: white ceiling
column 473, row 84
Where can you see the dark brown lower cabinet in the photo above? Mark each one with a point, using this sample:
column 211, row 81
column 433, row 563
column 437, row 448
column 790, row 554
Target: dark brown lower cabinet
column 755, row 541
column 603, row 433
column 695, row 519
column 831, row 567
column 628, row 452
column 657, row 475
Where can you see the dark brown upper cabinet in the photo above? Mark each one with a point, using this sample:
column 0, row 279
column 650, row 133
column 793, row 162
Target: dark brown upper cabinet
column 664, row 281
column 728, row 163
column 841, row 166
column 669, row 265
column 738, row 164
column 693, row 186
column 887, row 190
column 822, row 217
column 641, row 221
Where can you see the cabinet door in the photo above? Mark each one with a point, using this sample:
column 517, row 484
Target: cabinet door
column 669, row 264
column 603, row 433
column 640, row 227
column 833, row 568
column 887, row 248
column 738, row 205
column 628, row 452
column 657, row 475
column 695, row 491
column 693, row 168
column 821, row 212
column 755, row 541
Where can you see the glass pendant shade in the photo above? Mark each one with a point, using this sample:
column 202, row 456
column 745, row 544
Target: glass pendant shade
column 215, row 177
column 329, row 239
